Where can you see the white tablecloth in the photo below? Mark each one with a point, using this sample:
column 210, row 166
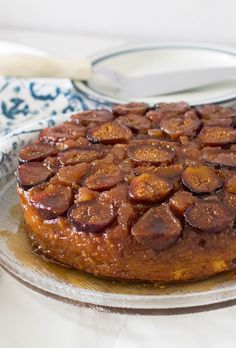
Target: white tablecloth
column 30, row 320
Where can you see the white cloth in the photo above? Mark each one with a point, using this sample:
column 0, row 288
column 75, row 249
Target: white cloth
column 30, row 320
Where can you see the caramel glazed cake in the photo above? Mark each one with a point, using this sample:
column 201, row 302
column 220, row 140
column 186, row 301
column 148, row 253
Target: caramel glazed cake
column 135, row 193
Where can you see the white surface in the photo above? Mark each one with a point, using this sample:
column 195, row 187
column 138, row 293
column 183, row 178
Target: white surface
column 199, row 20
column 29, row 320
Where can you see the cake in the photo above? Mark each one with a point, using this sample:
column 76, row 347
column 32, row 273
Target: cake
column 135, row 193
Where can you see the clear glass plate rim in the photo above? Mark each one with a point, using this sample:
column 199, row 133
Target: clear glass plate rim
column 106, row 298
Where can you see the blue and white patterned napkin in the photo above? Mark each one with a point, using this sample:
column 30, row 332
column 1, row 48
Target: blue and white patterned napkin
column 22, row 101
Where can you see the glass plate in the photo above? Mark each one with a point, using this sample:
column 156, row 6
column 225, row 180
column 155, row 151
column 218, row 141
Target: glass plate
column 78, row 287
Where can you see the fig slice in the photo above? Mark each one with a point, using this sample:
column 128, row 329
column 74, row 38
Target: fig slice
column 209, row 216
column 36, row 152
column 60, row 133
column 173, row 108
column 135, row 122
column 157, row 229
column 189, row 154
column 54, row 134
column 75, row 130
column 71, row 175
column 230, row 185
column 130, row 108
column 92, row 116
column 104, row 178
column 154, row 117
column 216, row 136
column 216, row 121
column 84, row 194
column 229, row 199
column 215, row 111
column 150, row 153
column 72, row 143
column 51, row 201
column 52, row 163
column 219, row 157
column 180, row 201
column 172, row 172
column 161, row 143
column 79, row 155
column 109, row 133
column 187, row 124
column 202, row 179
column 156, row 133
column 91, row 216
column 149, row 188
column 33, row 173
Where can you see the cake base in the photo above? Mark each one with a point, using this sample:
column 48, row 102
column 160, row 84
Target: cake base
column 115, row 254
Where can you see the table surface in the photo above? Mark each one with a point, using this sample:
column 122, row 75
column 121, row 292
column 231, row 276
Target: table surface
column 30, row 320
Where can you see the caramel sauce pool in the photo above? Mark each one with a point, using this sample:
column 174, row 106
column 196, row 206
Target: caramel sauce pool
column 20, row 245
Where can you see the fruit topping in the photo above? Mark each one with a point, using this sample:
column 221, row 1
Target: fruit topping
column 51, row 201
column 209, row 216
column 149, row 188
column 187, row 124
column 202, row 179
column 91, row 216
column 109, row 133
column 79, row 155
column 92, row 116
column 104, row 178
column 36, row 152
column 216, row 136
column 180, row 201
column 158, row 228
column 130, row 108
column 33, row 173
column 150, row 153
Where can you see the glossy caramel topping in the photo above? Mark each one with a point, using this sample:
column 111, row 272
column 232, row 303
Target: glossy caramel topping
column 157, row 172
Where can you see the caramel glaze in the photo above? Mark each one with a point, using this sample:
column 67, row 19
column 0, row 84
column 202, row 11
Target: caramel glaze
column 115, row 252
